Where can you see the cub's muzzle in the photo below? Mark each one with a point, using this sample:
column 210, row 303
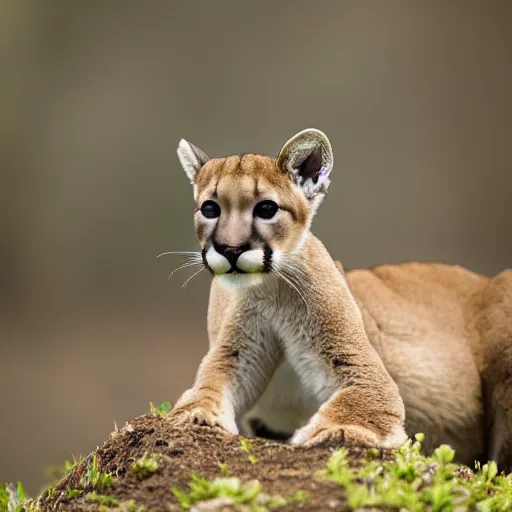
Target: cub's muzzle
column 227, row 259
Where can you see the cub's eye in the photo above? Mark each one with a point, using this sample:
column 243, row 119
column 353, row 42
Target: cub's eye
column 210, row 209
column 266, row 209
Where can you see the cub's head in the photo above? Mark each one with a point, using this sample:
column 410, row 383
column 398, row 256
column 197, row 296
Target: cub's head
column 253, row 212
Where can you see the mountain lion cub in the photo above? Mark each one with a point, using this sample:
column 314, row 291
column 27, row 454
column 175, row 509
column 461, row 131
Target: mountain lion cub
column 298, row 348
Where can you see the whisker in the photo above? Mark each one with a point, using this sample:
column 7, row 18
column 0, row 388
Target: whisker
column 197, row 258
column 184, row 265
column 292, row 284
column 297, row 274
column 299, row 286
column 181, row 253
column 295, row 266
column 193, row 275
column 294, row 270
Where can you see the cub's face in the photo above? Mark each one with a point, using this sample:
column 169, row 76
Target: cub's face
column 247, row 214
column 253, row 212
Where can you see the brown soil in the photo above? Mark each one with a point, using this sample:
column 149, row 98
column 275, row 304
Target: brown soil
column 281, row 469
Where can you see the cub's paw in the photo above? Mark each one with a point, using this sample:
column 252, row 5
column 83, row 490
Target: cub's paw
column 201, row 410
column 319, row 430
column 200, row 415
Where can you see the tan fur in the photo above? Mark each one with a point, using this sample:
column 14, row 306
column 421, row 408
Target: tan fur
column 301, row 345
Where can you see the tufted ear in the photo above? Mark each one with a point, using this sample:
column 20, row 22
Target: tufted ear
column 191, row 158
column 308, row 157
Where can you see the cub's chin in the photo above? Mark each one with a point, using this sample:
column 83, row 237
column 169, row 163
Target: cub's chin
column 235, row 281
column 250, row 270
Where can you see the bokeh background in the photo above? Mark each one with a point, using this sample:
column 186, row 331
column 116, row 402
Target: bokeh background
column 94, row 97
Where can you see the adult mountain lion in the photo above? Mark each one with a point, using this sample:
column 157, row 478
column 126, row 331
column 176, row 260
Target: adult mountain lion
column 298, row 348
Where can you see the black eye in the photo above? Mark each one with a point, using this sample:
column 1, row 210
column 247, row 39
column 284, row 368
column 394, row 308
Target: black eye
column 266, row 209
column 210, row 209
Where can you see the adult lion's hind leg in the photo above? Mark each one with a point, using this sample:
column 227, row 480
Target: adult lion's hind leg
column 495, row 325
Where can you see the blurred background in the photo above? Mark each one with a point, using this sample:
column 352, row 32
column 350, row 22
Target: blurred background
column 94, row 97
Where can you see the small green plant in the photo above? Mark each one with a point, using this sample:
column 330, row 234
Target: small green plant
column 246, row 446
column 95, row 478
column 4, row 498
column 202, row 489
column 416, row 483
column 224, row 468
column 163, row 408
column 248, row 493
column 14, row 499
column 71, row 493
column 124, row 506
column 145, row 466
column 101, row 499
column 278, row 501
column 373, row 453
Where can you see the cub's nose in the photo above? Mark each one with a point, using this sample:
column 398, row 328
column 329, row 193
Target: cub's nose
column 231, row 252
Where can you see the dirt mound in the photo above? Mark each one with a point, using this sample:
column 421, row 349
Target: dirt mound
column 137, row 468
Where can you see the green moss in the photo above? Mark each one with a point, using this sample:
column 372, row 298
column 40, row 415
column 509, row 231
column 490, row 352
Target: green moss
column 248, row 493
column 71, row 493
column 124, row 506
column 246, row 446
column 101, row 499
column 145, row 466
column 417, row 483
column 201, row 489
column 224, row 468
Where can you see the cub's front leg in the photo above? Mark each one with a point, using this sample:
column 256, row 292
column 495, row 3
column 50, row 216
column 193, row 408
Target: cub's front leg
column 360, row 401
column 357, row 414
column 231, row 377
column 363, row 404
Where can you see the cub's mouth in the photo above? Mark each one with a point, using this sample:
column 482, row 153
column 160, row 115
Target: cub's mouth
column 220, row 260
column 236, row 270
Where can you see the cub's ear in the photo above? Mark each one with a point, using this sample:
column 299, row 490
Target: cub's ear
column 308, row 157
column 191, row 158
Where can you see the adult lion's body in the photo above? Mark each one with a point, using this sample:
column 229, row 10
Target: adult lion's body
column 422, row 320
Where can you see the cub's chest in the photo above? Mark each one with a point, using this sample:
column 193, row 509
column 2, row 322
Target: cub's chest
column 286, row 405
